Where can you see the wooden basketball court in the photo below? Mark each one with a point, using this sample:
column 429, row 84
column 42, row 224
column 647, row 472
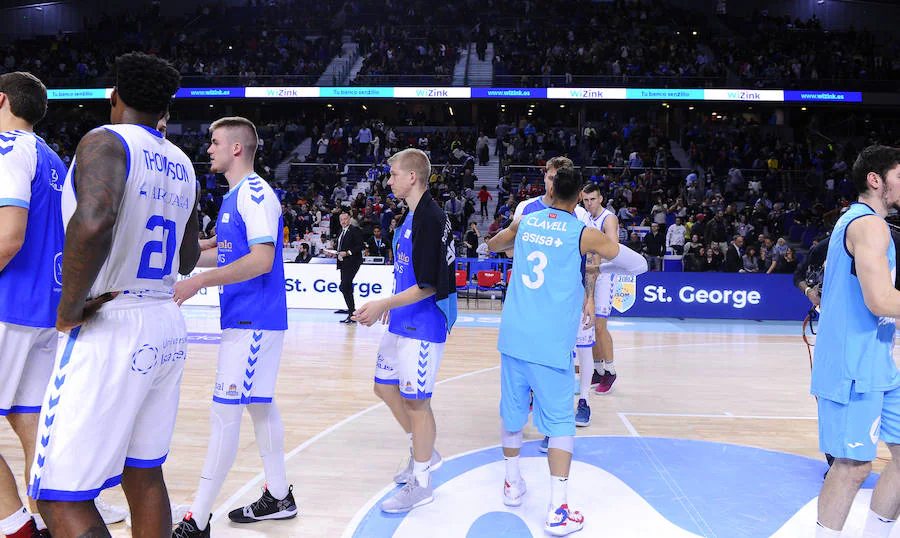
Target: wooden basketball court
column 742, row 382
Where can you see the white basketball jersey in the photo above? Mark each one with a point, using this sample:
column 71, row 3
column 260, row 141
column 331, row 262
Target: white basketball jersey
column 598, row 222
column 160, row 197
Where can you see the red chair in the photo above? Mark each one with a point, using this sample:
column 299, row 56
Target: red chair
column 487, row 281
column 462, row 283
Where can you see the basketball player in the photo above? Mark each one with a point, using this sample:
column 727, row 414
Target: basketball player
column 109, row 411
column 31, row 242
column 253, row 319
column 605, row 221
column 854, row 376
column 419, row 315
column 537, row 333
column 585, row 341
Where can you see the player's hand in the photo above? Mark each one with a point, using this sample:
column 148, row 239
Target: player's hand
column 341, row 255
column 587, row 316
column 814, row 296
column 187, row 288
column 206, row 244
column 371, row 312
column 69, row 318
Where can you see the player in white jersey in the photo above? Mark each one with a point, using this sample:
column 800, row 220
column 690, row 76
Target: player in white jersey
column 253, row 306
column 31, row 240
column 109, row 411
column 605, row 221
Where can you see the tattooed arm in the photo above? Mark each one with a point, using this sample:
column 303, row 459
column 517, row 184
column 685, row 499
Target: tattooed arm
column 99, row 178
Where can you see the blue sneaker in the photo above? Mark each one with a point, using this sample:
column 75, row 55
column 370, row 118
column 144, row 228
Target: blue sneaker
column 583, row 414
column 544, row 446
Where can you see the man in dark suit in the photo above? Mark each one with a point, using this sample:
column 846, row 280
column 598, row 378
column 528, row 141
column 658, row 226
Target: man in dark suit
column 350, row 255
column 733, row 260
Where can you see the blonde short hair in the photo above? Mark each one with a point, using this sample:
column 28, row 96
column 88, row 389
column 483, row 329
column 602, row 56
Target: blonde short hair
column 560, row 162
column 248, row 136
column 414, row 160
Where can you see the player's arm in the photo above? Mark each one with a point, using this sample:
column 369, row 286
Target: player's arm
column 17, row 168
column 13, row 220
column 505, row 239
column 621, row 258
column 867, row 241
column 190, row 241
column 427, row 256
column 99, row 181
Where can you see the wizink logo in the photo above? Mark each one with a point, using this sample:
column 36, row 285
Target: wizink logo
column 282, row 92
column 586, row 94
column 745, row 95
column 432, row 92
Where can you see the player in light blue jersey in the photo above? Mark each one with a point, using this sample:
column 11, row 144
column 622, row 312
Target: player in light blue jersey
column 31, row 241
column 253, row 304
column 854, row 375
column 537, row 334
column 421, row 312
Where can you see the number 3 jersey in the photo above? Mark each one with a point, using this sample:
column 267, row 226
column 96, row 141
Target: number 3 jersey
column 543, row 305
column 160, row 197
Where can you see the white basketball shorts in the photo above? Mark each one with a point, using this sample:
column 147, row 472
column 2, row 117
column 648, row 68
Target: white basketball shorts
column 248, row 366
column 603, row 294
column 27, row 355
column 112, row 399
column 408, row 363
column 586, row 337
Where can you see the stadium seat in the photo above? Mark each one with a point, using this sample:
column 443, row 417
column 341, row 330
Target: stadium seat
column 462, row 283
column 487, row 281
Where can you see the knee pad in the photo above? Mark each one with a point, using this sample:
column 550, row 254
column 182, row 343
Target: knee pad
column 510, row 439
column 565, row 442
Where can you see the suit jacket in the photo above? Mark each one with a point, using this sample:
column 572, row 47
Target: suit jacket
column 733, row 260
column 352, row 242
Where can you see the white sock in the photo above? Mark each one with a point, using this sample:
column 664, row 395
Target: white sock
column 270, row 440
column 39, row 522
column 559, row 486
column 586, row 361
column 598, row 367
column 825, row 532
column 225, row 431
column 15, row 521
column 513, row 473
column 610, row 367
column 421, row 471
column 877, row 526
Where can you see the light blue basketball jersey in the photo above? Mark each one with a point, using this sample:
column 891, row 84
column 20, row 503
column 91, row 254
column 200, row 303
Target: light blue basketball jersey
column 854, row 347
column 251, row 214
column 543, row 305
column 31, row 177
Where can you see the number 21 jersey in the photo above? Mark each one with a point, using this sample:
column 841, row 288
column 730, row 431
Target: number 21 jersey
column 160, row 197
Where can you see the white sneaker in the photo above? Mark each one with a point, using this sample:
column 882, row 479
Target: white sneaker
column 406, row 474
column 514, row 493
column 110, row 514
column 563, row 521
column 178, row 513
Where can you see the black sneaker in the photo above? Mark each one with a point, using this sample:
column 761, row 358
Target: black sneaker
column 267, row 507
column 187, row 528
column 596, row 378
